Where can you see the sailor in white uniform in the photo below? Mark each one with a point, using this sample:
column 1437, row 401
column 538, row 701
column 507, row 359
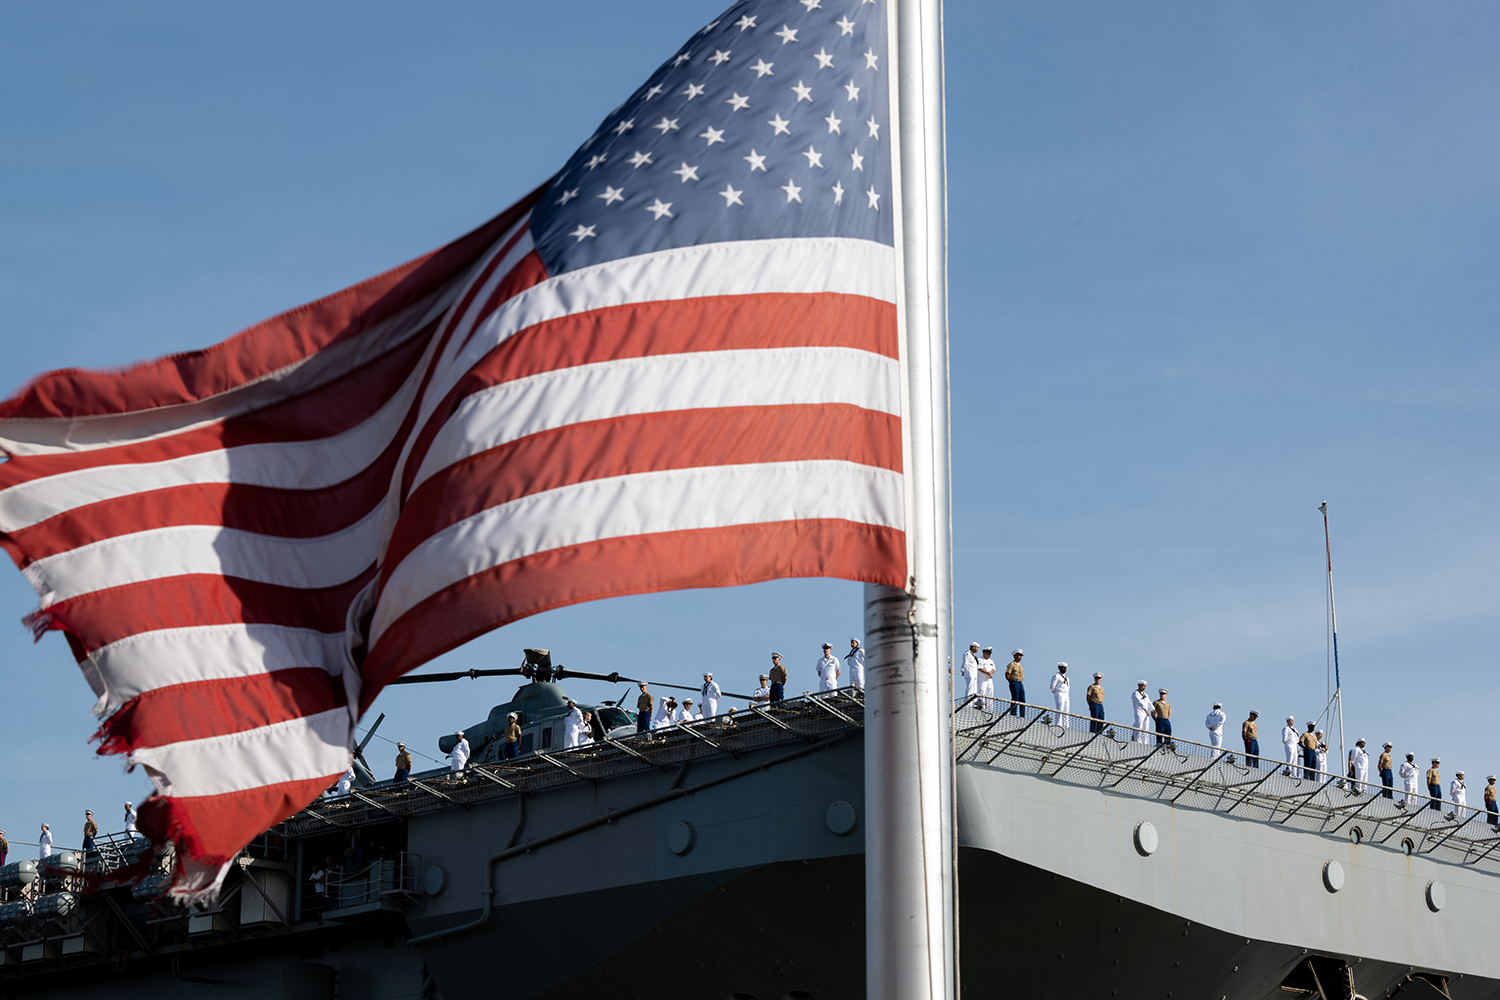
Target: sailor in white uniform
column 828, row 669
column 44, row 843
column 971, row 672
column 1359, row 766
column 572, row 725
column 346, row 782
column 1214, row 723
column 1061, row 693
column 711, row 695
column 458, row 757
column 1140, row 704
column 130, row 818
column 855, row 659
column 762, row 694
column 1409, row 772
column 666, row 713
column 687, row 713
column 1458, row 792
column 1325, row 775
column 1289, row 740
column 987, row 679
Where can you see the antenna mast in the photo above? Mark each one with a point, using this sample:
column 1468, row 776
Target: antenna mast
column 1333, row 623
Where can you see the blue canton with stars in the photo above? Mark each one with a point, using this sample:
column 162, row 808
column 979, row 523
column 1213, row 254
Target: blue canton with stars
column 772, row 122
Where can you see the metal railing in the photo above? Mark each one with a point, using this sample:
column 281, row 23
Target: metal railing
column 808, row 718
column 1124, row 760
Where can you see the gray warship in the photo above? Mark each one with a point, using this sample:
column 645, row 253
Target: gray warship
column 723, row 860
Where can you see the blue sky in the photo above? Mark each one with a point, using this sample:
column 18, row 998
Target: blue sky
column 1211, row 265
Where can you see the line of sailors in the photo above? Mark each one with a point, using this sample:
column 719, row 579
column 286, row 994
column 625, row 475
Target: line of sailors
column 90, row 831
column 978, row 673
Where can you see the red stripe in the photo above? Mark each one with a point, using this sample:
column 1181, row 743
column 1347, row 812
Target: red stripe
column 218, row 707
column 529, row 271
column 638, row 564
column 264, row 348
column 99, row 618
column 718, row 323
column 330, row 409
column 214, row 828
column 649, row 442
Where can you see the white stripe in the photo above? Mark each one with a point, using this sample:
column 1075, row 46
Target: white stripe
column 772, row 377
column 751, row 267
column 640, row 504
column 165, row 657
column 299, row 465
column 314, row 746
column 324, row 561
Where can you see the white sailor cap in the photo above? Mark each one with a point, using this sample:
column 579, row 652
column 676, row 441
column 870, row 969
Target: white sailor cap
column 973, row 645
column 1017, row 652
column 459, row 732
column 827, row 645
column 1218, row 704
column 1140, row 683
column 1062, row 663
column 1359, row 742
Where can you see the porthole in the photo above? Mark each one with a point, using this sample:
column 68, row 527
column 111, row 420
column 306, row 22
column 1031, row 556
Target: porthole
column 1407, row 847
column 1356, row 835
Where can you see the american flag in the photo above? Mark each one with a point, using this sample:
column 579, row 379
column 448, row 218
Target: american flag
column 675, row 365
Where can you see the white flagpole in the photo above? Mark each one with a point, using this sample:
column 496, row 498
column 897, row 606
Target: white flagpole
column 910, row 924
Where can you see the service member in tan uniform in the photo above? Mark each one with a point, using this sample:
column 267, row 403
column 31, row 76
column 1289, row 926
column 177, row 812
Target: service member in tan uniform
column 1491, row 806
column 403, row 762
column 1250, row 733
column 1014, row 675
column 1095, row 697
column 1161, row 711
column 1309, row 744
column 512, row 748
column 1385, row 766
column 1435, row 785
column 778, row 679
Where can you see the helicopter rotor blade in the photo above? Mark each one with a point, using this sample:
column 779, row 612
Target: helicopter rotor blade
column 359, row 751
column 456, row 675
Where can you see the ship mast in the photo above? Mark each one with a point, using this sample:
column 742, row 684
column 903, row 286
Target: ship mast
column 1337, row 701
column 910, row 916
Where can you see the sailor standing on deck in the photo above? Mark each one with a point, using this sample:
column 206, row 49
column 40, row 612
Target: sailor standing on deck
column 1387, row 779
column 970, row 672
column 664, row 713
column 711, row 695
column 778, row 679
column 987, row 670
column 1095, row 697
column 1161, row 711
column 572, row 725
column 1214, row 723
column 1062, row 693
column 44, row 843
column 130, row 818
column 1435, row 785
column 1309, row 744
column 643, row 706
column 762, row 694
column 828, row 669
column 1015, row 674
column 855, row 658
column 346, row 783
column 1250, row 733
column 458, row 757
column 1491, row 805
column 1359, row 767
column 1458, row 792
column 1140, row 704
column 1409, row 772
column 1289, row 742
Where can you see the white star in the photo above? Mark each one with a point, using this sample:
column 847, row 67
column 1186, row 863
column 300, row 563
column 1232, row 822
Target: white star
column 624, row 127
column 874, row 128
column 719, row 58
column 745, row 22
column 583, row 232
column 846, row 27
column 710, row 26
column 612, row 195
column 655, row 89
column 838, row 193
column 686, row 172
column 762, row 68
column 853, row 90
column 793, row 192
column 825, row 61
column 682, row 59
column 667, row 125
column 811, row 4
column 713, row 135
column 639, row 159
column 659, row 208
column 874, row 199
column 786, row 34
column 595, row 160
column 870, row 59
column 780, row 125
column 567, row 196
column 756, row 161
column 814, row 158
column 740, row 103
column 693, row 90
column 859, row 161
column 731, row 196
column 834, row 123
column 803, row 93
